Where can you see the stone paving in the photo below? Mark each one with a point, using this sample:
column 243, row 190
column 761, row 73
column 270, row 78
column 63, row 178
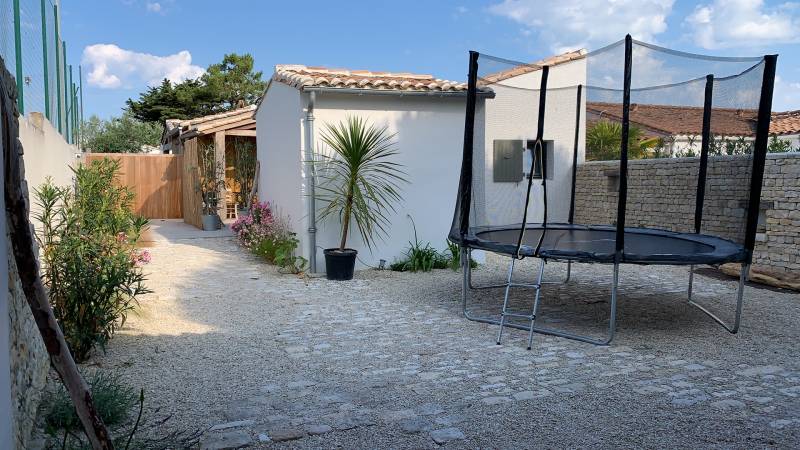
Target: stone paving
column 266, row 360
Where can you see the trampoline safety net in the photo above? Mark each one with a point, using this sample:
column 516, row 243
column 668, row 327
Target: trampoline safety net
column 620, row 154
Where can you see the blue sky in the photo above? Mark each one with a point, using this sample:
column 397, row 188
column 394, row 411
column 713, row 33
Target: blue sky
column 126, row 44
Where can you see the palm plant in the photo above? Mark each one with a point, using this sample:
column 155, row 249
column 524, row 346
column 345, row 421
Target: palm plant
column 604, row 137
column 359, row 182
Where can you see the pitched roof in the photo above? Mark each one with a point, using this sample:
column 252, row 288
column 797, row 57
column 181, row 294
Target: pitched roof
column 535, row 66
column 241, row 118
column 301, row 77
column 199, row 122
column 677, row 120
column 785, row 122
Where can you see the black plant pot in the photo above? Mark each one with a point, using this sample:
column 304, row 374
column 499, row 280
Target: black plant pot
column 339, row 264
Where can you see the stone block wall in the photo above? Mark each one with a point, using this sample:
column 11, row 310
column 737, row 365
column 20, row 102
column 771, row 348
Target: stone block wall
column 29, row 360
column 662, row 193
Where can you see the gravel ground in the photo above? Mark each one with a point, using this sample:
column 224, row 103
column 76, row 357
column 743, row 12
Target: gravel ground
column 388, row 361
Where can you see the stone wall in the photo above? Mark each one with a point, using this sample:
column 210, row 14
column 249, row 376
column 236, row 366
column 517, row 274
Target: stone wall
column 29, row 360
column 662, row 192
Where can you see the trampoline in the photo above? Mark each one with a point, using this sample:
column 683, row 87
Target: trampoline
column 519, row 194
column 596, row 244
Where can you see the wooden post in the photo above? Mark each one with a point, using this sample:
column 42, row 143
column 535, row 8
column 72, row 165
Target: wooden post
column 219, row 151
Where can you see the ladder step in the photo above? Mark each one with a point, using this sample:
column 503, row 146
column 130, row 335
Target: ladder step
column 521, row 316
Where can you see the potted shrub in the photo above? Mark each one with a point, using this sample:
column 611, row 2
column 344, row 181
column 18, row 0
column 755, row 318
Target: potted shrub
column 359, row 183
column 245, row 172
column 212, row 180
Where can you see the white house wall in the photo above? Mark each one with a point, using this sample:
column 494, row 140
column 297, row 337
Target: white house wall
column 280, row 154
column 513, row 114
column 430, row 133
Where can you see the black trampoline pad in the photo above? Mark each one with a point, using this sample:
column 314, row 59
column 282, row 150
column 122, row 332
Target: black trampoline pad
column 597, row 244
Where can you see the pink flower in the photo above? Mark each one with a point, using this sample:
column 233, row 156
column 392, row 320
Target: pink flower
column 143, row 257
column 122, row 237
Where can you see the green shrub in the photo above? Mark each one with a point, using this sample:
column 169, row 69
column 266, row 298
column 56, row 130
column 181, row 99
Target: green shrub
column 270, row 237
column 116, row 404
column 90, row 264
column 112, row 399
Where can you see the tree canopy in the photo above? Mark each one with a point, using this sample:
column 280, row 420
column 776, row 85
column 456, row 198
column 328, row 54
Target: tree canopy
column 124, row 134
column 225, row 86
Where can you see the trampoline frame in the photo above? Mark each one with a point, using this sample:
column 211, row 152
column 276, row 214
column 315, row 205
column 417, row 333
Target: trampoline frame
column 467, row 286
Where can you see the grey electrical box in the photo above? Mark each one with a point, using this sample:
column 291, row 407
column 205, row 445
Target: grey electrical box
column 508, row 160
column 512, row 160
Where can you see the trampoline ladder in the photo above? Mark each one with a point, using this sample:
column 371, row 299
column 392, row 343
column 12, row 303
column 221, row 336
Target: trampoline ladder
column 505, row 312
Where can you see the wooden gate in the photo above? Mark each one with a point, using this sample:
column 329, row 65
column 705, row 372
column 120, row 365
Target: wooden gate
column 156, row 180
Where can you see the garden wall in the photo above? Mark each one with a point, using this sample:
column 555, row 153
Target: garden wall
column 658, row 190
column 46, row 154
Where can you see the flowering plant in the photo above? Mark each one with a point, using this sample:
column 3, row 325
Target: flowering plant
column 269, row 236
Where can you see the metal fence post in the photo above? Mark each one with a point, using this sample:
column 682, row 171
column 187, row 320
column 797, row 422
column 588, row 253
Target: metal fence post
column 66, row 90
column 18, row 52
column 44, row 61
column 58, row 66
column 80, row 79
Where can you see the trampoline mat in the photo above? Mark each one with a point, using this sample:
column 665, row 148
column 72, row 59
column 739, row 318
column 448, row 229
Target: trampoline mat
column 597, row 244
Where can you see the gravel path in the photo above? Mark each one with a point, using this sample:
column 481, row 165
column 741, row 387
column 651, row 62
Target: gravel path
column 387, row 360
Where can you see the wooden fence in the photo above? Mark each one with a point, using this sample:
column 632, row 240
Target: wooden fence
column 192, row 201
column 156, row 180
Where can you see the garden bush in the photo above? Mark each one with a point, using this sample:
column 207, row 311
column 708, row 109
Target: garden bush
column 90, row 263
column 269, row 236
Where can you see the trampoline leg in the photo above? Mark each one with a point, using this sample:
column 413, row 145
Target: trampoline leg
column 505, row 300
column 536, row 302
column 612, row 319
column 691, row 282
column 733, row 329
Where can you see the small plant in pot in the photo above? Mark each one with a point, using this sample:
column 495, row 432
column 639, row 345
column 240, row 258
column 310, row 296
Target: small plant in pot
column 359, row 184
column 245, row 170
column 211, row 181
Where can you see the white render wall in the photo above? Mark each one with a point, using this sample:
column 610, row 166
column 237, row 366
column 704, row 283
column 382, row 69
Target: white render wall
column 513, row 114
column 430, row 133
column 278, row 140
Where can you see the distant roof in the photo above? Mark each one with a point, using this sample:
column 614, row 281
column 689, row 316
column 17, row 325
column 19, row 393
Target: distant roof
column 301, row 77
column 535, row 66
column 687, row 120
column 240, row 119
column 679, row 120
column 787, row 122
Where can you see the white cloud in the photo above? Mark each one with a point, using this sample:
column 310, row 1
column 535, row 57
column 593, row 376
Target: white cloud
column 112, row 67
column 786, row 96
column 572, row 24
column 154, row 7
column 729, row 23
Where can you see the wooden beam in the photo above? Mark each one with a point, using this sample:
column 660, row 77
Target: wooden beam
column 246, row 133
column 226, row 127
column 219, row 152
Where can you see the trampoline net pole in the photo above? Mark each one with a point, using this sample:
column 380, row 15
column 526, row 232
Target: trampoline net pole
column 538, row 146
column 465, row 184
column 623, row 156
column 704, row 147
column 578, row 96
column 760, row 153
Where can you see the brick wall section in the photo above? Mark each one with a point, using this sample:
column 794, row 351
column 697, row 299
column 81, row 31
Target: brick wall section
column 662, row 192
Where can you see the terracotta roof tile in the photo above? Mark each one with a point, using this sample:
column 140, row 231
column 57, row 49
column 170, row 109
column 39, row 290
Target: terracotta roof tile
column 679, row 120
column 535, row 66
column 300, row 77
column 689, row 120
column 785, row 122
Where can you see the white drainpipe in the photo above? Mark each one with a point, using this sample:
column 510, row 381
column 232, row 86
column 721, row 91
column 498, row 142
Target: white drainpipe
column 310, row 180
